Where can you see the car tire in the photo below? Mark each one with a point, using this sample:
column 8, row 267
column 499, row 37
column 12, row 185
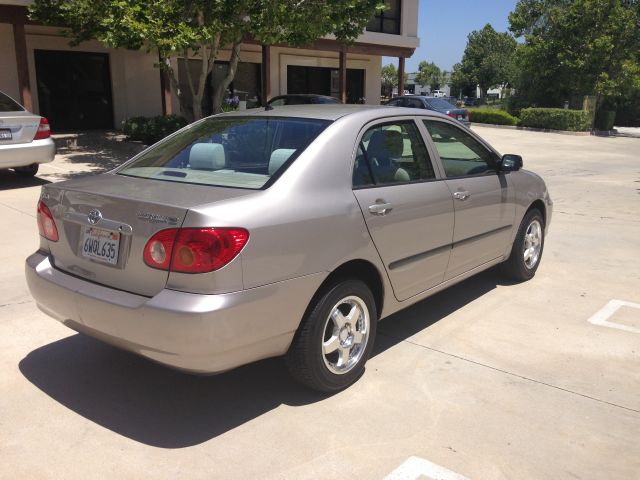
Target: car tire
column 335, row 339
column 528, row 245
column 28, row 171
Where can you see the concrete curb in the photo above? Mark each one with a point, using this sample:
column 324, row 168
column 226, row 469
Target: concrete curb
column 597, row 133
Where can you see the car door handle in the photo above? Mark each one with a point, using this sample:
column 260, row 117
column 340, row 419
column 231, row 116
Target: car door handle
column 461, row 195
column 380, row 208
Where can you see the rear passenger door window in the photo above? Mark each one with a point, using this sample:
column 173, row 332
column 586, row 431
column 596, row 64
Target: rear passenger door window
column 460, row 153
column 392, row 153
column 413, row 103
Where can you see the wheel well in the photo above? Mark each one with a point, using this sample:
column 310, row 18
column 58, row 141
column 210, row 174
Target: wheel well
column 539, row 204
column 361, row 270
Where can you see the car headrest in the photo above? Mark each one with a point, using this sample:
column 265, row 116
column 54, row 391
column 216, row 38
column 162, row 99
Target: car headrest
column 385, row 144
column 207, row 156
column 278, row 157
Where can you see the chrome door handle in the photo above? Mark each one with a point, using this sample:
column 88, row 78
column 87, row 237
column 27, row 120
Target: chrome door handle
column 380, row 208
column 461, row 195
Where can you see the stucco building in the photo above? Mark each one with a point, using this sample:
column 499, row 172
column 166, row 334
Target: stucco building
column 90, row 86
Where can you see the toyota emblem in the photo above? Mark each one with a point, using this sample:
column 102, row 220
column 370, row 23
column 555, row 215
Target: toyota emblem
column 94, row 216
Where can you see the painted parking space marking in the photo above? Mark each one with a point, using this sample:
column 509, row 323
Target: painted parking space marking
column 416, row 468
column 602, row 317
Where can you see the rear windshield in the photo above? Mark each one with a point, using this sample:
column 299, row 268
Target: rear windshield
column 228, row 152
column 439, row 103
column 7, row 104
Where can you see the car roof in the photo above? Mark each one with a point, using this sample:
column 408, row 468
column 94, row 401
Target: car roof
column 331, row 111
column 303, row 95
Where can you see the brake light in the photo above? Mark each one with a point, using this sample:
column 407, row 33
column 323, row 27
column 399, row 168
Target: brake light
column 469, row 116
column 44, row 129
column 46, row 224
column 194, row 250
column 452, row 115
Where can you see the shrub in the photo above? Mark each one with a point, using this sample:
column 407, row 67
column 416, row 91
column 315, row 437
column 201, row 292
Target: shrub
column 151, row 129
column 556, row 119
column 493, row 116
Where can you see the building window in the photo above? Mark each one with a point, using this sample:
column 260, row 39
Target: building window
column 387, row 21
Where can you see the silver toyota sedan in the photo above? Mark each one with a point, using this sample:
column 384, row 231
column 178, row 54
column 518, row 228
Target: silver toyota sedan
column 287, row 231
column 25, row 138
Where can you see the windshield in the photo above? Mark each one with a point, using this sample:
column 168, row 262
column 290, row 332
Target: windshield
column 7, row 104
column 439, row 103
column 227, row 152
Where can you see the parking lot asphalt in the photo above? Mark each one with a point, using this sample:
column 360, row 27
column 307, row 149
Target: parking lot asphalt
column 488, row 380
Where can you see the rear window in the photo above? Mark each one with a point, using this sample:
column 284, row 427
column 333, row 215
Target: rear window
column 7, row 104
column 439, row 103
column 235, row 152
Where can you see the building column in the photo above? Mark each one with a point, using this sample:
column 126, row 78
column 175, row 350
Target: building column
column 165, row 90
column 266, row 74
column 24, row 85
column 342, row 75
column 400, row 75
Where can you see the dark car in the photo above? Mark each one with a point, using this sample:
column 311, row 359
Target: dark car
column 301, row 99
column 471, row 102
column 432, row 103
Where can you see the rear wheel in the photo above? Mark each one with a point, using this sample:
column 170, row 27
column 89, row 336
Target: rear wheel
column 28, row 171
column 335, row 339
column 527, row 247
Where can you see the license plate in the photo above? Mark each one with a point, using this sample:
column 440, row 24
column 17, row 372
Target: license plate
column 101, row 245
column 5, row 134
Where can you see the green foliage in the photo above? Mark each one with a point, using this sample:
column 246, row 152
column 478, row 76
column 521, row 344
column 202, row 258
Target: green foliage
column 488, row 59
column 429, row 74
column 555, row 119
column 577, row 48
column 492, row 116
column 152, row 129
column 389, row 78
column 200, row 28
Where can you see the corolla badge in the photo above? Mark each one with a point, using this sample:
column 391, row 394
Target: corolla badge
column 94, row 216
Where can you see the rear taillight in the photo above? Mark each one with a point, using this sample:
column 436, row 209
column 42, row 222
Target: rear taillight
column 452, row 115
column 44, row 130
column 469, row 116
column 194, row 250
column 46, row 224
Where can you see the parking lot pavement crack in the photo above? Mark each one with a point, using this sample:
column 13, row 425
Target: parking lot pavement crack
column 17, row 210
column 522, row 377
column 15, row 303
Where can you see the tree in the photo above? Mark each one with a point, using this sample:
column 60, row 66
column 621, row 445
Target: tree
column 488, row 58
column 389, row 77
column 461, row 83
column 429, row 74
column 199, row 29
column 577, row 48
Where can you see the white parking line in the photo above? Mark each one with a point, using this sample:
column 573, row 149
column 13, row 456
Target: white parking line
column 418, row 468
column 601, row 317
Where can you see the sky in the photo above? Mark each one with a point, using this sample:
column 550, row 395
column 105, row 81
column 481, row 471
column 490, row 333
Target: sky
column 443, row 28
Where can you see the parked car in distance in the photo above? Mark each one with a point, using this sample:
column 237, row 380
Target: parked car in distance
column 301, row 99
column 288, row 231
column 438, row 94
column 25, row 138
column 430, row 103
column 471, row 102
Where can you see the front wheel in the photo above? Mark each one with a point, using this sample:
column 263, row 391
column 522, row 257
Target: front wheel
column 335, row 339
column 527, row 248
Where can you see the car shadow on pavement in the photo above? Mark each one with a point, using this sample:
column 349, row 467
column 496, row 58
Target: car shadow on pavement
column 160, row 407
column 9, row 180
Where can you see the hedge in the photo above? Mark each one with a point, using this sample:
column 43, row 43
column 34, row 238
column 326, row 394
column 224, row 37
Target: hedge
column 151, row 129
column 492, row 116
column 555, row 119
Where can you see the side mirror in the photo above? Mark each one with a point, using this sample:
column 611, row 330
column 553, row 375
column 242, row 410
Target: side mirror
column 510, row 163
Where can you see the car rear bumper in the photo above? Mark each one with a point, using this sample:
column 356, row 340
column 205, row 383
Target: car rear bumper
column 23, row 154
column 192, row 332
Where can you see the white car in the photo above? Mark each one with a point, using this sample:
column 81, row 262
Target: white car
column 25, row 138
column 438, row 94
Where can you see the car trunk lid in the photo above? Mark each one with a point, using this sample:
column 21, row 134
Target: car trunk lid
column 104, row 223
column 18, row 127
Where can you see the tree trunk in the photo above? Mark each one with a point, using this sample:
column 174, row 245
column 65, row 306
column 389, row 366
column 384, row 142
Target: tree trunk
column 220, row 88
column 175, row 85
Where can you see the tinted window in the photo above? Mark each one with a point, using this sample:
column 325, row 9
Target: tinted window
column 322, row 100
column 439, row 104
column 228, row 152
column 413, row 103
column 9, row 105
column 395, row 102
column 392, row 153
column 460, row 153
column 278, row 102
